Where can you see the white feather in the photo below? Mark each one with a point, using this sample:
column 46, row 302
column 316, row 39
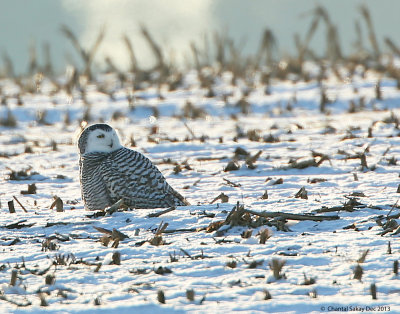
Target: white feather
column 101, row 141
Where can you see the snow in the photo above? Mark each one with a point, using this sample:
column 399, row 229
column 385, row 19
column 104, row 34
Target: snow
column 189, row 257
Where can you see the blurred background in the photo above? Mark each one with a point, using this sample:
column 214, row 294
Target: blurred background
column 34, row 27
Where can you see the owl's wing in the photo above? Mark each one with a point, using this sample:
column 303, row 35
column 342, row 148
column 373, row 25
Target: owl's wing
column 132, row 176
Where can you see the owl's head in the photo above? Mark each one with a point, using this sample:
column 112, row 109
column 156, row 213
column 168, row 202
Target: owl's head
column 99, row 138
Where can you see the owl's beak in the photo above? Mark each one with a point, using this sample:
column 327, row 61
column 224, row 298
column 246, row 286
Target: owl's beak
column 111, row 144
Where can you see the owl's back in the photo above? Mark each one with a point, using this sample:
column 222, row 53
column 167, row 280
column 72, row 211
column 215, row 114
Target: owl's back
column 128, row 175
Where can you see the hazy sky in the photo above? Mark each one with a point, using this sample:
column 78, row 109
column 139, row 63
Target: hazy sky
column 174, row 23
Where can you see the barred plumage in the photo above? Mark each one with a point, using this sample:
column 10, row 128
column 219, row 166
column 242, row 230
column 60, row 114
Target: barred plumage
column 110, row 172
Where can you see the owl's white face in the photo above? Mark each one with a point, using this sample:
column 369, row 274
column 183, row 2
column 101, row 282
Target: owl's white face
column 102, row 141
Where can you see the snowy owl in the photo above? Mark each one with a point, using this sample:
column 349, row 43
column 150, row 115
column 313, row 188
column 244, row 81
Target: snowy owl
column 109, row 172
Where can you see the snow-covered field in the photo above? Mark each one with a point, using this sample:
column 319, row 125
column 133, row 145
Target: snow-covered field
column 208, row 257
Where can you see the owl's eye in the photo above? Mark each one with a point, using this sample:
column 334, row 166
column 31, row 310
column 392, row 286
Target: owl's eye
column 100, row 136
